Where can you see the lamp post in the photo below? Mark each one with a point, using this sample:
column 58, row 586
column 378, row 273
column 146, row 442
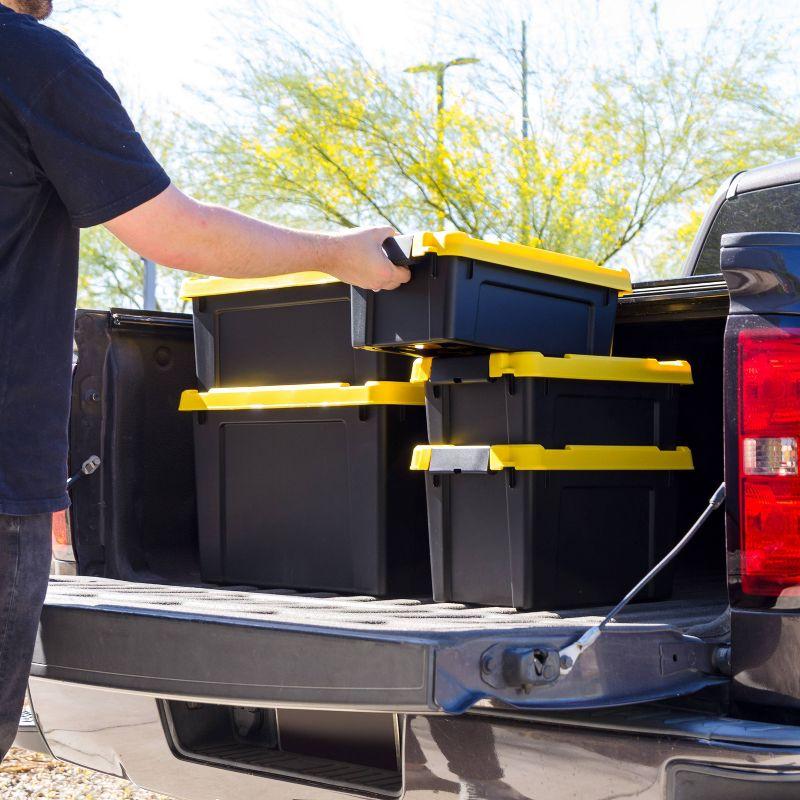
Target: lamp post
column 149, row 286
column 438, row 69
column 525, row 73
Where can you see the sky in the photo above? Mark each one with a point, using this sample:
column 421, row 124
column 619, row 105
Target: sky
column 159, row 50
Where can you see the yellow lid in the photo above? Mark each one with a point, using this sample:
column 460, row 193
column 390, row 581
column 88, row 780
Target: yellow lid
column 574, row 367
column 207, row 287
column 317, row 395
column 590, row 368
column 572, row 457
column 443, row 243
column 520, row 256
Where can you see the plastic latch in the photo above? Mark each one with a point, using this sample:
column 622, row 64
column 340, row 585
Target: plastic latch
column 466, row 369
column 460, row 459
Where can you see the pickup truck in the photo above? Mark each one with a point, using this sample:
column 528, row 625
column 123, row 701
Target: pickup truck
column 222, row 693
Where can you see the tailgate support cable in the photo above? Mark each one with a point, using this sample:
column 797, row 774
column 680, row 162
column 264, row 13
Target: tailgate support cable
column 570, row 654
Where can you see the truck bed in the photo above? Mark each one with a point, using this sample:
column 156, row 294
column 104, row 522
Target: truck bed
column 136, row 543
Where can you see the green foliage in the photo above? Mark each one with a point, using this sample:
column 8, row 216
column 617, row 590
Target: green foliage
column 623, row 149
column 110, row 273
column 615, row 147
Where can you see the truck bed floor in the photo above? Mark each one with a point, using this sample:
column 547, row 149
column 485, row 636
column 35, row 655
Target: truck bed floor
column 696, row 603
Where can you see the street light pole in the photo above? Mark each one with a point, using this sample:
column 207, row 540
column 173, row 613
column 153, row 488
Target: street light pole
column 440, row 91
column 439, row 68
column 149, row 293
column 524, row 59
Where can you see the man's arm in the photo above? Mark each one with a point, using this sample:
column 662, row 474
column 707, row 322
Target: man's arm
column 176, row 231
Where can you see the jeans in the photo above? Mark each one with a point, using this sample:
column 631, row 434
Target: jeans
column 25, row 551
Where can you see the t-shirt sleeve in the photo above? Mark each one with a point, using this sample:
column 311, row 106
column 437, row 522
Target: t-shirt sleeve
column 88, row 148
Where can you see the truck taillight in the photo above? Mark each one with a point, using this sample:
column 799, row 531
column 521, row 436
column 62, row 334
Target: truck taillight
column 62, row 537
column 769, row 432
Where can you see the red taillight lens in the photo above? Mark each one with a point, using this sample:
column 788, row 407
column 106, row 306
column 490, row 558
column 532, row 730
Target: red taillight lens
column 769, row 432
column 62, row 537
column 769, row 374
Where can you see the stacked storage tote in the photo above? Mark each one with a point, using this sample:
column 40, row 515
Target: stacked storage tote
column 550, row 475
column 549, row 478
column 308, row 487
column 550, row 481
column 302, row 443
column 467, row 295
column 285, row 330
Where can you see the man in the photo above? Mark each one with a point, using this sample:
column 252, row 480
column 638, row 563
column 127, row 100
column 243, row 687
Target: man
column 70, row 158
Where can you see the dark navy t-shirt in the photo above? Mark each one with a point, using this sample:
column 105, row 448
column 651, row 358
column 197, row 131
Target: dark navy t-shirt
column 69, row 158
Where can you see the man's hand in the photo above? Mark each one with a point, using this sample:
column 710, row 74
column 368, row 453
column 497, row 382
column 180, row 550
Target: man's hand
column 362, row 262
column 176, row 231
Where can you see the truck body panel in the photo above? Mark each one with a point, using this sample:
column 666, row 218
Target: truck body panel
column 648, row 753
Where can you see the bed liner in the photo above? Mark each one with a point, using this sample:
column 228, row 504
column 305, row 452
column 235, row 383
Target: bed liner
column 363, row 612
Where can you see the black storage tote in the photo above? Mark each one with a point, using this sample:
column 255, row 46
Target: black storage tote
column 518, row 398
column 470, row 295
column 289, row 329
column 535, row 528
column 308, row 487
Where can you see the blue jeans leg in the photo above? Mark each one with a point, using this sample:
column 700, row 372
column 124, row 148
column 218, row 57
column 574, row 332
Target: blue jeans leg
column 25, row 550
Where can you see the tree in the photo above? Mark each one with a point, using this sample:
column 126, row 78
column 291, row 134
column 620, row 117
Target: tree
column 111, row 274
column 615, row 148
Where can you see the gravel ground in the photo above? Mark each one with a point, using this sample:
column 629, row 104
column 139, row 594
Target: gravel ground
column 25, row 775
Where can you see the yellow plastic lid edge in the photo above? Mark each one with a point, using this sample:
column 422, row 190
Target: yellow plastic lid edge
column 519, row 256
column 600, row 458
column 303, row 396
column 589, row 457
column 194, row 288
column 529, row 364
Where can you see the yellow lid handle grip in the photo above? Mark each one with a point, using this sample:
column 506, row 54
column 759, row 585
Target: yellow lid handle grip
column 398, row 250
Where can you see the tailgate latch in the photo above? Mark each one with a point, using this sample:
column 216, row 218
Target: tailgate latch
column 519, row 668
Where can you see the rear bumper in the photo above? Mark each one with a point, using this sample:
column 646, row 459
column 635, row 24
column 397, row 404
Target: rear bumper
column 765, row 657
column 642, row 752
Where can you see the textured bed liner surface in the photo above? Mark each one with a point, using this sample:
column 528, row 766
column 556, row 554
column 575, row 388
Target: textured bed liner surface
column 697, row 607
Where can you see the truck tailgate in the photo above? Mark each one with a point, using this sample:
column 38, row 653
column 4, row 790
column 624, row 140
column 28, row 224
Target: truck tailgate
column 358, row 653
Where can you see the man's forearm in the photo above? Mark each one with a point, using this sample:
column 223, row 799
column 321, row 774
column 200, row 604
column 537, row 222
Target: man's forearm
column 226, row 243
column 176, row 231
column 184, row 234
